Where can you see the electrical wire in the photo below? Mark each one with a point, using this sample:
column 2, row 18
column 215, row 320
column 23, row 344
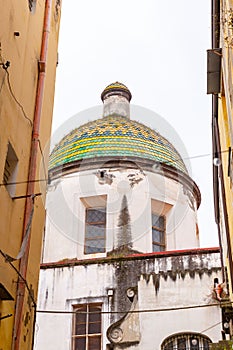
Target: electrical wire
column 23, row 182
column 3, row 80
column 43, row 160
column 195, row 157
column 204, row 155
column 6, row 316
column 15, row 99
column 27, row 231
column 201, row 332
column 48, row 179
column 214, row 325
column 5, row 67
column 8, row 260
column 130, row 312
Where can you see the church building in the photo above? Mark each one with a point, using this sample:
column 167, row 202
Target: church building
column 122, row 266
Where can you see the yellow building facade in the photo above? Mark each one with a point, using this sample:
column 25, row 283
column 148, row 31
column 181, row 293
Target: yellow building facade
column 222, row 127
column 28, row 60
column 225, row 126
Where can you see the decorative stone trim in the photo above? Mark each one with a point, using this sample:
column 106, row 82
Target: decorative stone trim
column 126, row 331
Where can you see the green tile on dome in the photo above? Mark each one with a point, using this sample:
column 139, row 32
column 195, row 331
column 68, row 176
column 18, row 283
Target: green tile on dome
column 111, row 136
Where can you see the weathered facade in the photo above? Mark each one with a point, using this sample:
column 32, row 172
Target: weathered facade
column 221, row 80
column 162, row 287
column 121, row 265
column 28, row 59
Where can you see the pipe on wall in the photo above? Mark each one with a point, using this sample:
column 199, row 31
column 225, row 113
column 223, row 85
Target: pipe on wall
column 20, row 297
column 218, row 176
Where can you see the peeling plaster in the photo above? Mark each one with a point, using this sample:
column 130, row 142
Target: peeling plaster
column 160, row 281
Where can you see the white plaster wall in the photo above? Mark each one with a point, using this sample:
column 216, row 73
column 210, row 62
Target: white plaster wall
column 60, row 288
column 65, row 225
column 157, row 327
column 116, row 104
column 190, row 291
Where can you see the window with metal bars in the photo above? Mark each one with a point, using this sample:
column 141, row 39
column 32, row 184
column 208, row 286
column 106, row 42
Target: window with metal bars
column 87, row 327
column 31, row 5
column 95, row 227
column 10, row 170
column 186, row 341
column 158, row 233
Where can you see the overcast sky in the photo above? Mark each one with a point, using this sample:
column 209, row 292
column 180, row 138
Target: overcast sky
column 156, row 48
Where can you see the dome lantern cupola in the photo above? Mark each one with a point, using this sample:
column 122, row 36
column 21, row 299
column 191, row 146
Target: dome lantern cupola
column 116, row 98
column 118, row 141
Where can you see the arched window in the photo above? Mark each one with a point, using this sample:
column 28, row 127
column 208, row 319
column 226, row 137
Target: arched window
column 186, row 341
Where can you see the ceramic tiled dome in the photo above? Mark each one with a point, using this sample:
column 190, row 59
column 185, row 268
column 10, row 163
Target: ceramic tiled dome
column 115, row 136
column 116, row 88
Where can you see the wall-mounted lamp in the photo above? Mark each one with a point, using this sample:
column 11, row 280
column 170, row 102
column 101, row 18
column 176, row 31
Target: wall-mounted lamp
column 110, row 292
column 217, row 161
column 194, row 341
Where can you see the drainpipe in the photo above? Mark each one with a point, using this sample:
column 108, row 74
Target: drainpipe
column 20, row 297
column 218, row 176
column 215, row 24
column 216, row 188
